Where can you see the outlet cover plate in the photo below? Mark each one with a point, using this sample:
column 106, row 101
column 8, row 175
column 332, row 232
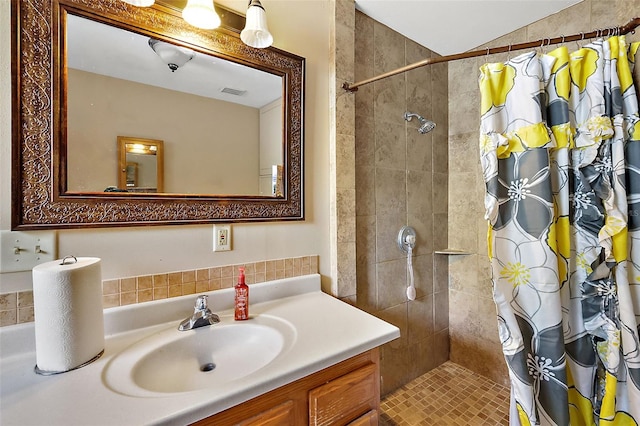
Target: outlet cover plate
column 221, row 237
column 21, row 251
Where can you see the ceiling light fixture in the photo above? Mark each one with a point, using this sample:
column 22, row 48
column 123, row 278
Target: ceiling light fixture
column 174, row 56
column 255, row 32
column 140, row 3
column 201, row 14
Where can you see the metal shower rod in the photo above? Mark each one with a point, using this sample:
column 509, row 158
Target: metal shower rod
column 625, row 29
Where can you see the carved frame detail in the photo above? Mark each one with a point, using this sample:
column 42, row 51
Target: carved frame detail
column 39, row 200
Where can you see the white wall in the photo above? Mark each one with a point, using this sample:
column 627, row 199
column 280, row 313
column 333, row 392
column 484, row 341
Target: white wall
column 298, row 26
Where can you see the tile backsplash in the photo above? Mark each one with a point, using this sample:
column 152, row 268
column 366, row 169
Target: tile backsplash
column 17, row 308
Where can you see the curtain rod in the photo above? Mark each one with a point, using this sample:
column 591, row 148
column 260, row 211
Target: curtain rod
column 625, row 29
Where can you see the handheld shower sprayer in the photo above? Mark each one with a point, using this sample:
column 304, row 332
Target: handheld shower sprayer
column 425, row 125
column 406, row 243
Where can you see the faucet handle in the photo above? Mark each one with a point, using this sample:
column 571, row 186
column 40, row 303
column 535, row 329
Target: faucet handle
column 201, row 303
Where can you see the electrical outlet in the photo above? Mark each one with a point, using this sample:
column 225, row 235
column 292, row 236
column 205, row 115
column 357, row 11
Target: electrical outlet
column 21, row 251
column 221, row 237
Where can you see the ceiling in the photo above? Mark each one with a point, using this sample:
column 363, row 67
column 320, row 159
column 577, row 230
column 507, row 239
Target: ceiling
column 453, row 26
column 444, row 26
column 98, row 48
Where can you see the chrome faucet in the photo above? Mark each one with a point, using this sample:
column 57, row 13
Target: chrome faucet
column 202, row 315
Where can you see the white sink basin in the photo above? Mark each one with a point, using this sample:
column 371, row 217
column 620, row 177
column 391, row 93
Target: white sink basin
column 173, row 361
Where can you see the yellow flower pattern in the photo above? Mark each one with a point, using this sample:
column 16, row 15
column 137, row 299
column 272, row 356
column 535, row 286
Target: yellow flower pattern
column 584, row 63
column 498, row 79
column 583, row 264
column 516, row 273
column 560, row 156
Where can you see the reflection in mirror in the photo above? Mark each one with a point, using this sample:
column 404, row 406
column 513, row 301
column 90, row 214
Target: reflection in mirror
column 221, row 122
column 140, row 165
column 64, row 128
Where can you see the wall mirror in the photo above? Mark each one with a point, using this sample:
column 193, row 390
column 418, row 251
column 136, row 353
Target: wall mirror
column 229, row 119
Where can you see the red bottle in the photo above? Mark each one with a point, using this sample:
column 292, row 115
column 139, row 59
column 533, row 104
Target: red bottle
column 241, row 298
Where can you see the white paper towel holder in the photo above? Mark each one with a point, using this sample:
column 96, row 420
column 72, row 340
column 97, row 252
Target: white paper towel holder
column 64, row 260
column 52, row 373
column 42, row 372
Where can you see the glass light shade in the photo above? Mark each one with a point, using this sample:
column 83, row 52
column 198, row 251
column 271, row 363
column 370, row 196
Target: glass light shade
column 140, row 3
column 174, row 56
column 255, row 32
column 201, row 14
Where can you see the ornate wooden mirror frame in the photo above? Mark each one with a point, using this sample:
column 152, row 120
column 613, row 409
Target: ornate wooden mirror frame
column 39, row 123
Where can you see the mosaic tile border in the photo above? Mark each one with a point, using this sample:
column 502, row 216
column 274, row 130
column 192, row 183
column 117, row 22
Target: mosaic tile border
column 17, row 308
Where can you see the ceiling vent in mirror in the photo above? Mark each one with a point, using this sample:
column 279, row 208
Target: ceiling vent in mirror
column 231, row 91
column 174, row 56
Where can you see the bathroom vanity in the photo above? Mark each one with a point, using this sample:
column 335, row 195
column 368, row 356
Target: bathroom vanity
column 303, row 357
column 345, row 393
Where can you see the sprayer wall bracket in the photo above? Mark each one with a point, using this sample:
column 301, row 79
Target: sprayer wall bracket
column 406, row 238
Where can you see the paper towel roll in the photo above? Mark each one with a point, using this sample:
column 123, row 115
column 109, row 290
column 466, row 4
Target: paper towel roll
column 69, row 321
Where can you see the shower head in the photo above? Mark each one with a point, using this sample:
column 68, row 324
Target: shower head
column 425, row 125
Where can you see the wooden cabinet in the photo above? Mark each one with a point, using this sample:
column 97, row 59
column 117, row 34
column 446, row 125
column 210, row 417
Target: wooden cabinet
column 347, row 393
column 343, row 399
column 282, row 415
column 369, row 419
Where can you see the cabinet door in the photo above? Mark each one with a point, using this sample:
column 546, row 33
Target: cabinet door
column 344, row 399
column 369, row 419
column 282, row 415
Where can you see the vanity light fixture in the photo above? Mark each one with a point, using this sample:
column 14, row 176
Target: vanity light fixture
column 255, row 32
column 174, row 56
column 138, row 148
column 201, row 14
column 140, row 3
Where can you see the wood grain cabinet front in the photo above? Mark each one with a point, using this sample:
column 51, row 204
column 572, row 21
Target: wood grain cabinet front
column 369, row 419
column 344, row 399
column 282, row 415
column 347, row 393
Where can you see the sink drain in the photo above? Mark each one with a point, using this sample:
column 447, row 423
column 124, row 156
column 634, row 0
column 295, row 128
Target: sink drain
column 207, row 367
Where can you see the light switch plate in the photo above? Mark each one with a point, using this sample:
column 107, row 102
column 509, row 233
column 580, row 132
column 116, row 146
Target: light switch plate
column 221, row 237
column 21, row 251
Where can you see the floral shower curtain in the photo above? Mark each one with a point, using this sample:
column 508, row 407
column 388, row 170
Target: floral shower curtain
column 560, row 151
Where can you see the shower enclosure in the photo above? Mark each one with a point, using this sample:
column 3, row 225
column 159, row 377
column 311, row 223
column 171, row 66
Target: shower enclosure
column 401, row 179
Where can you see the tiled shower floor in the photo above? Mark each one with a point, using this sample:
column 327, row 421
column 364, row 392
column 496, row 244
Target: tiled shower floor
column 447, row 395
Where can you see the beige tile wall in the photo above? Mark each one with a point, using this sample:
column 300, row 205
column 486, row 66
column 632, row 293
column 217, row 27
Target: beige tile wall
column 342, row 165
column 401, row 179
column 472, row 319
column 17, row 308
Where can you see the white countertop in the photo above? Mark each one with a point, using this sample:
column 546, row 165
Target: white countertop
column 327, row 331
